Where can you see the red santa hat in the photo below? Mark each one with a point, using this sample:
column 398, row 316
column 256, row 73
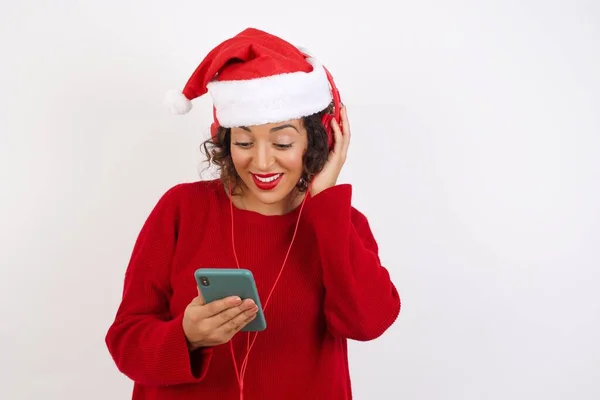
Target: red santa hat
column 256, row 78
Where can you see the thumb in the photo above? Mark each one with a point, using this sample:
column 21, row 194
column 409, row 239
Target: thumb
column 198, row 300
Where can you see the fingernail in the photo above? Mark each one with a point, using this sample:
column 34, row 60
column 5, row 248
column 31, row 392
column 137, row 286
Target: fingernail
column 250, row 302
column 236, row 300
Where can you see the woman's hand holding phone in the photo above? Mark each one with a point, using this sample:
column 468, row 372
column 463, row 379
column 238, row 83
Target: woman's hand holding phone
column 217, row 322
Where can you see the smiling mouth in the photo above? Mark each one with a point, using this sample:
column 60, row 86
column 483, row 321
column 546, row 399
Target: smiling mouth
column 267, row 178
column 266, row 181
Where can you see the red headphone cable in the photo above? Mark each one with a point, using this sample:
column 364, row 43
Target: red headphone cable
column 240, row 375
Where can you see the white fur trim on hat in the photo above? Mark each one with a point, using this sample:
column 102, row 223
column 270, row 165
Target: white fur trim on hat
column 305, row 51
column 177, row 102
column 271, row 99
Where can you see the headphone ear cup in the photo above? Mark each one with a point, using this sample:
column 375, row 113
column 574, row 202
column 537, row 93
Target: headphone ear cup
column 326, row 121
column 214, row 129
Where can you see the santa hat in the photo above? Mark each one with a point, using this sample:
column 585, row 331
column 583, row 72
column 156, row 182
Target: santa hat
column 256, row 78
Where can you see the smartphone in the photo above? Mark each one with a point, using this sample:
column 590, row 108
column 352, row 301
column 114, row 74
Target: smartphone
column 218, row 283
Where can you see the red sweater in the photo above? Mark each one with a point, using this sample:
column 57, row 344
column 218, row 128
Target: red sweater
column 333, row 288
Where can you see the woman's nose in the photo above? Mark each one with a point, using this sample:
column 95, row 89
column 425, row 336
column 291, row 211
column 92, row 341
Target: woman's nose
column 263, row 159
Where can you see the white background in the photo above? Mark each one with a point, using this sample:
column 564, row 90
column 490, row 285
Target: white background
column 475, row 155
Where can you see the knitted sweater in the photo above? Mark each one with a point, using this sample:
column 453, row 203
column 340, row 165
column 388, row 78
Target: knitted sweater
column 333, row 288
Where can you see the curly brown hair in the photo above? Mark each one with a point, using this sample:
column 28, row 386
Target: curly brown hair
column 218, row 152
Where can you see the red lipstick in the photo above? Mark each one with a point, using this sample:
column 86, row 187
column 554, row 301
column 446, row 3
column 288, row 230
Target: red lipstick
column 266, row 181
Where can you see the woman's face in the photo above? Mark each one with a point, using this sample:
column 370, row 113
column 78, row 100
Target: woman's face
column 269, row 160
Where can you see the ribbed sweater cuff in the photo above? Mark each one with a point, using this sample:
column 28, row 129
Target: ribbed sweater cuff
column 177, row 363
column 332, row 205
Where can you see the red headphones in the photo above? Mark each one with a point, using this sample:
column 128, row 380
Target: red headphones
column 337, row 106
column 325, row 120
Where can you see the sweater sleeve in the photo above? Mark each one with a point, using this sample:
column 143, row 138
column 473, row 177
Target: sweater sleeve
column 145, row 341
column 361, row 302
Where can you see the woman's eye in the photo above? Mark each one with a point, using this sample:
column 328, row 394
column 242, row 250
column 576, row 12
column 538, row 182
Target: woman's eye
column 283, row 146
column 242, row 144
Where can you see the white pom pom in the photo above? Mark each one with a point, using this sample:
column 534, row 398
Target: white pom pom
column 177, row 102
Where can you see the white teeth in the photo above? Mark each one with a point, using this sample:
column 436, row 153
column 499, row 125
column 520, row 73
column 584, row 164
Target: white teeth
column 269, row 179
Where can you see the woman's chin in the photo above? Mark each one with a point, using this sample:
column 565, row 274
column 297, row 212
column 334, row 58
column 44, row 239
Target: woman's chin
column 271, row 196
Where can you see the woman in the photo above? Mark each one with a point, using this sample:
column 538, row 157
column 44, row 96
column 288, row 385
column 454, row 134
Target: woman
column 280, row 139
